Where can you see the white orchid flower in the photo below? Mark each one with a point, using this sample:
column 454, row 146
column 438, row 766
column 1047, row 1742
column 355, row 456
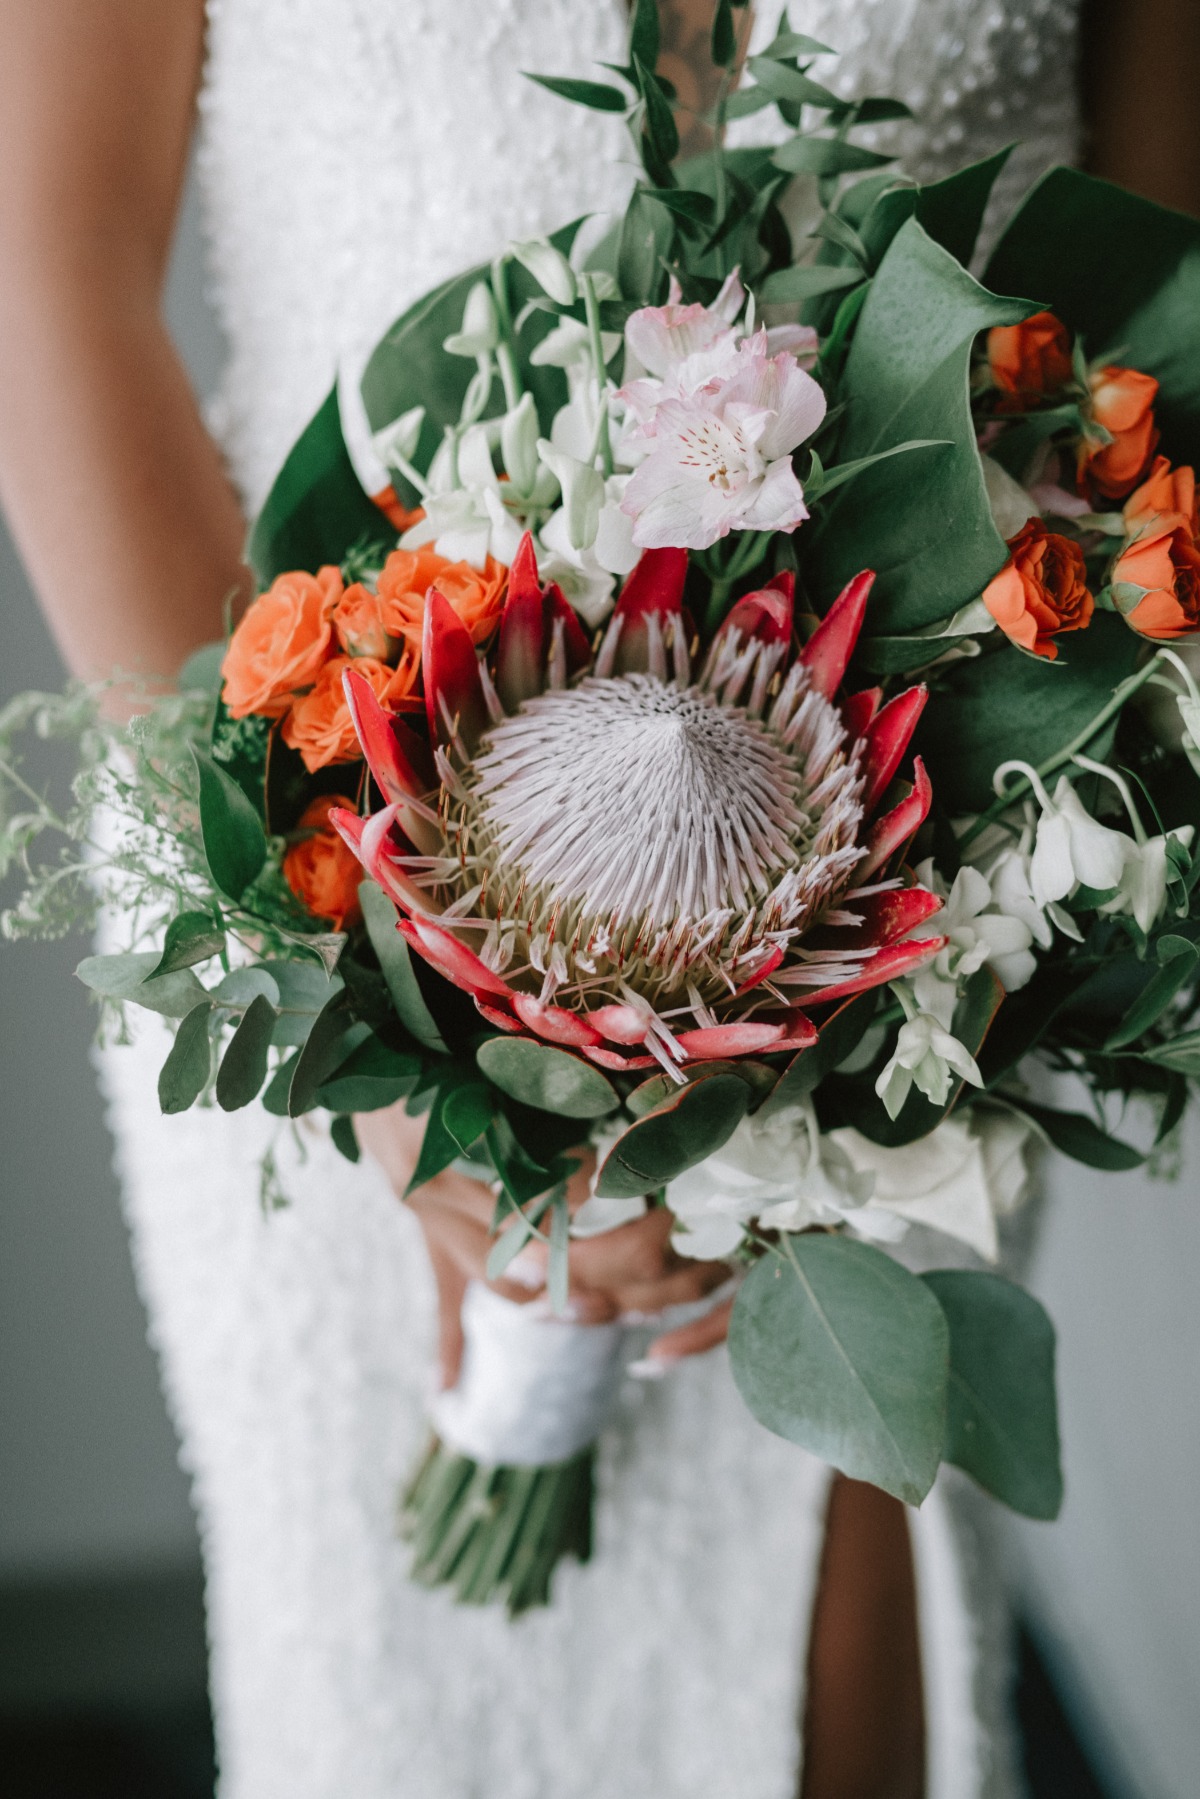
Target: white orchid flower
column 569, row 346
column 582, row 488
column 1071, row 848
column 480, row 333
column 980, row 932
column 397, row 443
column 549, row 268
column 927, row 1056
column 519, row 445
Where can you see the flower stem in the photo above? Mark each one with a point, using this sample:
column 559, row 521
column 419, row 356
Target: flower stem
column 604, row 438
column 506, row 349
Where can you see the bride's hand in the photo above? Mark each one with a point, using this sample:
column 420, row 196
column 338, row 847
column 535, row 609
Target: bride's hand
column 630, row 1269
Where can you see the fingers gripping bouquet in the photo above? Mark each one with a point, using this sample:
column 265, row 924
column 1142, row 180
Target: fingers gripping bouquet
column 575, row 780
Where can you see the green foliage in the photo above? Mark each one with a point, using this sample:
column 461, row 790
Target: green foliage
column 1080, row 1137
column 371, row 1076
column 334, row 1034
column 836, row 1347
column 379, row 916
column 676, row 1134
column 131, row 977
column 1002, row 1414
column 244, row 1065
column 316, row 508
column 595, row 94
column 191, row 937
column 186, row 1071
column 550, row 1079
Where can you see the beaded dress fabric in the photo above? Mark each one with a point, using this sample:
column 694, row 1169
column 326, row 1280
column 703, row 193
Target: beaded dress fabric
column 355, row 152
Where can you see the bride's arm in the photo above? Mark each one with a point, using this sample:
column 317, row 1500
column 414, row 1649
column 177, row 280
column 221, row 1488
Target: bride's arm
column 115, row 493
column 1141, row 77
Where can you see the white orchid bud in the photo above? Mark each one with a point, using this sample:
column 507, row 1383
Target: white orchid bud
column 549, row 268
column 519, row 444
column 480, row 327
column 926, row 1056
column 570, row 344
column 397, row 442
column 1143, row 888
column 1073, row 848
column 582, row 491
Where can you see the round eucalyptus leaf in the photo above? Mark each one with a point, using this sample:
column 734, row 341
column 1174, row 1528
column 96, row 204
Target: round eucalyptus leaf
column 549, row 1079
column 185, row 1072
column 244, row 1065
column 680, row 1131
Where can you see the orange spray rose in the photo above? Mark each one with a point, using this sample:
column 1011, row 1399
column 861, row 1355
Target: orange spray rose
column 320, row 726
column 1029, row 362
column 475, row 596
column 366, row 624
column 321, row 870
column 281, row 643
column 1167, row 491
column 1041, row 591
column 1157, row 580
column 1123, row 403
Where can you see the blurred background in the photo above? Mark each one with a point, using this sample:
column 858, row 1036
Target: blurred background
column 101, row 1614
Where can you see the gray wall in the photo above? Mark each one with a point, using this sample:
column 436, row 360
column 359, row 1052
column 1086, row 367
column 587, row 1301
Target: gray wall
column 88, row 1475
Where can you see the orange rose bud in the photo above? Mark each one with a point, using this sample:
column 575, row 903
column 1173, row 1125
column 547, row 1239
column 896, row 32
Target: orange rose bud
column 1041, row 591
column 476, row 596
column 1123, row 403
column 1030, row 361
column 1167, row 493
column 1156, row 580
column 322, row 871
column 320, row 726
column 281, row 643
column 367, row 625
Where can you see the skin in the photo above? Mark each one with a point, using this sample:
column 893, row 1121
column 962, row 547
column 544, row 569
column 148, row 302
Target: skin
column 127, row 522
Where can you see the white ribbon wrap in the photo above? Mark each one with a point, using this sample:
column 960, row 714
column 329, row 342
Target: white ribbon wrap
column 533, row 1389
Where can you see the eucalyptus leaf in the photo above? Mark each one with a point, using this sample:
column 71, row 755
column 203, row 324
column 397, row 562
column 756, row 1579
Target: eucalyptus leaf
column 244, row 1065
column 191, row 937
column 131, row 977
column 186, row 1071
column 379, row 916
column 1002, row 1413
column 547, row 1078
column 303, row 990
column 335, row 1032
column 677, row 1133
column 836, row 1347
column 371, row 1076
column 235, row 845
column 244, row 985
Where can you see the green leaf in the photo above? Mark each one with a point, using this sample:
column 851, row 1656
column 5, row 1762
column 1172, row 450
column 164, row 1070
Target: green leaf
column 243, row 985
column 784, row 83
column 371, row 1076
column 467, row 1113
column 679, row 1132
column 235, row 845
column 303, row 990
column 1130, row 285
column 790, row 44
column 342, row 1135
column 644, row 34
column 825, row 156
column 1182, row 1054
column 185, row 1072
column 379, row 916
column 1001, row 1414
column 131, row 977
column 951, row 210
column 806, row 282
column 191, row 937
column 688, row 204
column 596, row 94
column 244, row 1065
column 838, row 1348
column 438, row 1147
column 843, row 236
column 1081, row 1138
column 906, row 379
column 335, row 1032
column 1155, row 997
column 201, row 672
column 724, row 37
column 275, row 1099
column 646, row 234
column 316, row 509
column 549, row 1079
column 833, row 478
column 1003, row 704
column 660, row 120
column 839, row 1036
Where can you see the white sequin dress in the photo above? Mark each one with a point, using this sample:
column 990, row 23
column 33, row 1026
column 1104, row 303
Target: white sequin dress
column 356, row 151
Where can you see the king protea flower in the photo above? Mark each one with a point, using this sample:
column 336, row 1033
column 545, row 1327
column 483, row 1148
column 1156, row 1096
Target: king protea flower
column 638, row 859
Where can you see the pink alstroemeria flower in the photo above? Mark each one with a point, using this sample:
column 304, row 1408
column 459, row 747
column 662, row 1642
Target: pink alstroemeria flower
column 719, row 459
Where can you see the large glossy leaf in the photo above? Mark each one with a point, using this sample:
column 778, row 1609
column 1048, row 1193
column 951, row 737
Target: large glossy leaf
column 951, row 210
column 379, row 916
column 316, row 508
column 676, row 1134
column 838, row 1348
column 549, row 1079
column 925, row 527
column 1002, row 1413
column 235, row 845
column 1125, row 273
column 1004, row 704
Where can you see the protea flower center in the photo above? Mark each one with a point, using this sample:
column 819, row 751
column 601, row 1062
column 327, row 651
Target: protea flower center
column 640, row 831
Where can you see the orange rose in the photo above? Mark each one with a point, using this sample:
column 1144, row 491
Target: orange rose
column 1041, row 590
column 319, row 725
column 1168, row 493
column 321, row 870
column 1029, row 361
column 367, row 625
column 1156, row 580
column 281, row 643
column 476, row 597
column 1123, row 404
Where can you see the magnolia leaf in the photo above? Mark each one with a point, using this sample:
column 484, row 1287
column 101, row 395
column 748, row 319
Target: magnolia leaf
column 235, row 845
column 192, row 937
column 679, row 1132
column 244, row 1065
column 131, row 977
column 372, row 1076
column 1001, row 1413
column 185, row 1072
column 596, row 94
column 316, row 509
column 838, row 1348
column 379, row 916
column 550, row 1079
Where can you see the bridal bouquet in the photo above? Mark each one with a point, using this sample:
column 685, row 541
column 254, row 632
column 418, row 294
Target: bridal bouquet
column 712, row 700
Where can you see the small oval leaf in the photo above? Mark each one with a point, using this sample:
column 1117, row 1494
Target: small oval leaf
column 244, row 1065
column 185, row 1072
column 549, row 1079
column 235, row 845
column 676, row 1134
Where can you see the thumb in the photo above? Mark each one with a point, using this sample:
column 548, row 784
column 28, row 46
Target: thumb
column 451, row 1286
